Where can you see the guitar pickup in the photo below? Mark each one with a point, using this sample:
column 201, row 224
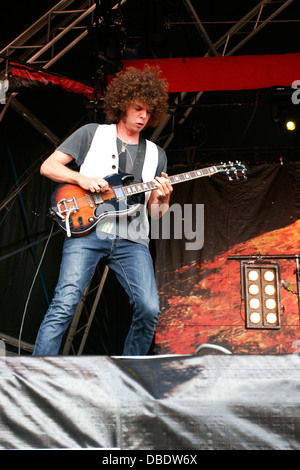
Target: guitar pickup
column 98, row 199
column 89, row 200
column 119, row 193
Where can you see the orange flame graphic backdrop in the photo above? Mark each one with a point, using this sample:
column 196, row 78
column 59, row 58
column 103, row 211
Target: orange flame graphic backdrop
column 200, row 290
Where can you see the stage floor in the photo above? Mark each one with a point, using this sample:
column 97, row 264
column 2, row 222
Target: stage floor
column 211, row 402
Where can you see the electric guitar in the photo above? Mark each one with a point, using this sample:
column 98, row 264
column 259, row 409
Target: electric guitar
column 78, row 211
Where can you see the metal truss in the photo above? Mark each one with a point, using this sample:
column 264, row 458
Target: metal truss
column 10, row 346
column 228, row 44
column 54, row 34
column 46, row 41
column 76, row 330
column 65, row 25
column 245, row 29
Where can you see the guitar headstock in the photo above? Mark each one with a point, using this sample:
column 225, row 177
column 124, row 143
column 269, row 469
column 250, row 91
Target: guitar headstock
column 236, row 169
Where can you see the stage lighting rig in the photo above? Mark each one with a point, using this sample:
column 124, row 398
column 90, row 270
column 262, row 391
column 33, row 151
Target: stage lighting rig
column 108, row 38
column 285, row 111
column 262, row 295
column 260, row 288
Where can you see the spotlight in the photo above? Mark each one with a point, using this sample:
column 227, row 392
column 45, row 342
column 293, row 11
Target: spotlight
column 285, row 117
column 290, row 125
column 262, row 295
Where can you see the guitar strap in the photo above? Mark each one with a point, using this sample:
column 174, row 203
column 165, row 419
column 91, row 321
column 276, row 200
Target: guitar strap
column 139, row 161
column 145, row 164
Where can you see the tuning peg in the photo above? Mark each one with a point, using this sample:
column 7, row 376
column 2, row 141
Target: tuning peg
column 244, row 176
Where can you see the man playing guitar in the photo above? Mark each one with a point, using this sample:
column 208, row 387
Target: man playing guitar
column 134, row 100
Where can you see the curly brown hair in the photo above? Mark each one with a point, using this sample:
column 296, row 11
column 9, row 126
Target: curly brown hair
column 135, row 85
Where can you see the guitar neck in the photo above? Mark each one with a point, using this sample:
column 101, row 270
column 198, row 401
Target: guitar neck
column 191, row 175
column 138, row 188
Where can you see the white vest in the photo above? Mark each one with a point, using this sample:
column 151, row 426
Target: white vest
column 102, row 158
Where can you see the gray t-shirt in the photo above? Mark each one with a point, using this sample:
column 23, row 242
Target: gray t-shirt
column 134, row 227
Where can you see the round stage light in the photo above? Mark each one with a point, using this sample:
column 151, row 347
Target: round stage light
column 253, row 275
column 290, row 125
column 254, row 317
column 269, row 289
column 270, row 304
column 254, row 303
column 253, row 289
column 269, row 276
column 271, row 318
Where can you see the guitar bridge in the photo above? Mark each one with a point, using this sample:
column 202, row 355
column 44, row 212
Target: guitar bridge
column 64, row 211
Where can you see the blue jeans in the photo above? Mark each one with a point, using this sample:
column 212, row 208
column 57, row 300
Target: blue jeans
column 133, row 266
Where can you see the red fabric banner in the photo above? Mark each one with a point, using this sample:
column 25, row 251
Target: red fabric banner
column 27, row 76
column 193, row 74
column 226, row 73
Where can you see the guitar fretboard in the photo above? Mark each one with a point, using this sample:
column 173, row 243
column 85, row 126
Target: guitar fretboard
column 189, row 175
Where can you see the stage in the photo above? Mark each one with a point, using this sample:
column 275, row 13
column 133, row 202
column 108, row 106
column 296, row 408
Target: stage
column 210, row 402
